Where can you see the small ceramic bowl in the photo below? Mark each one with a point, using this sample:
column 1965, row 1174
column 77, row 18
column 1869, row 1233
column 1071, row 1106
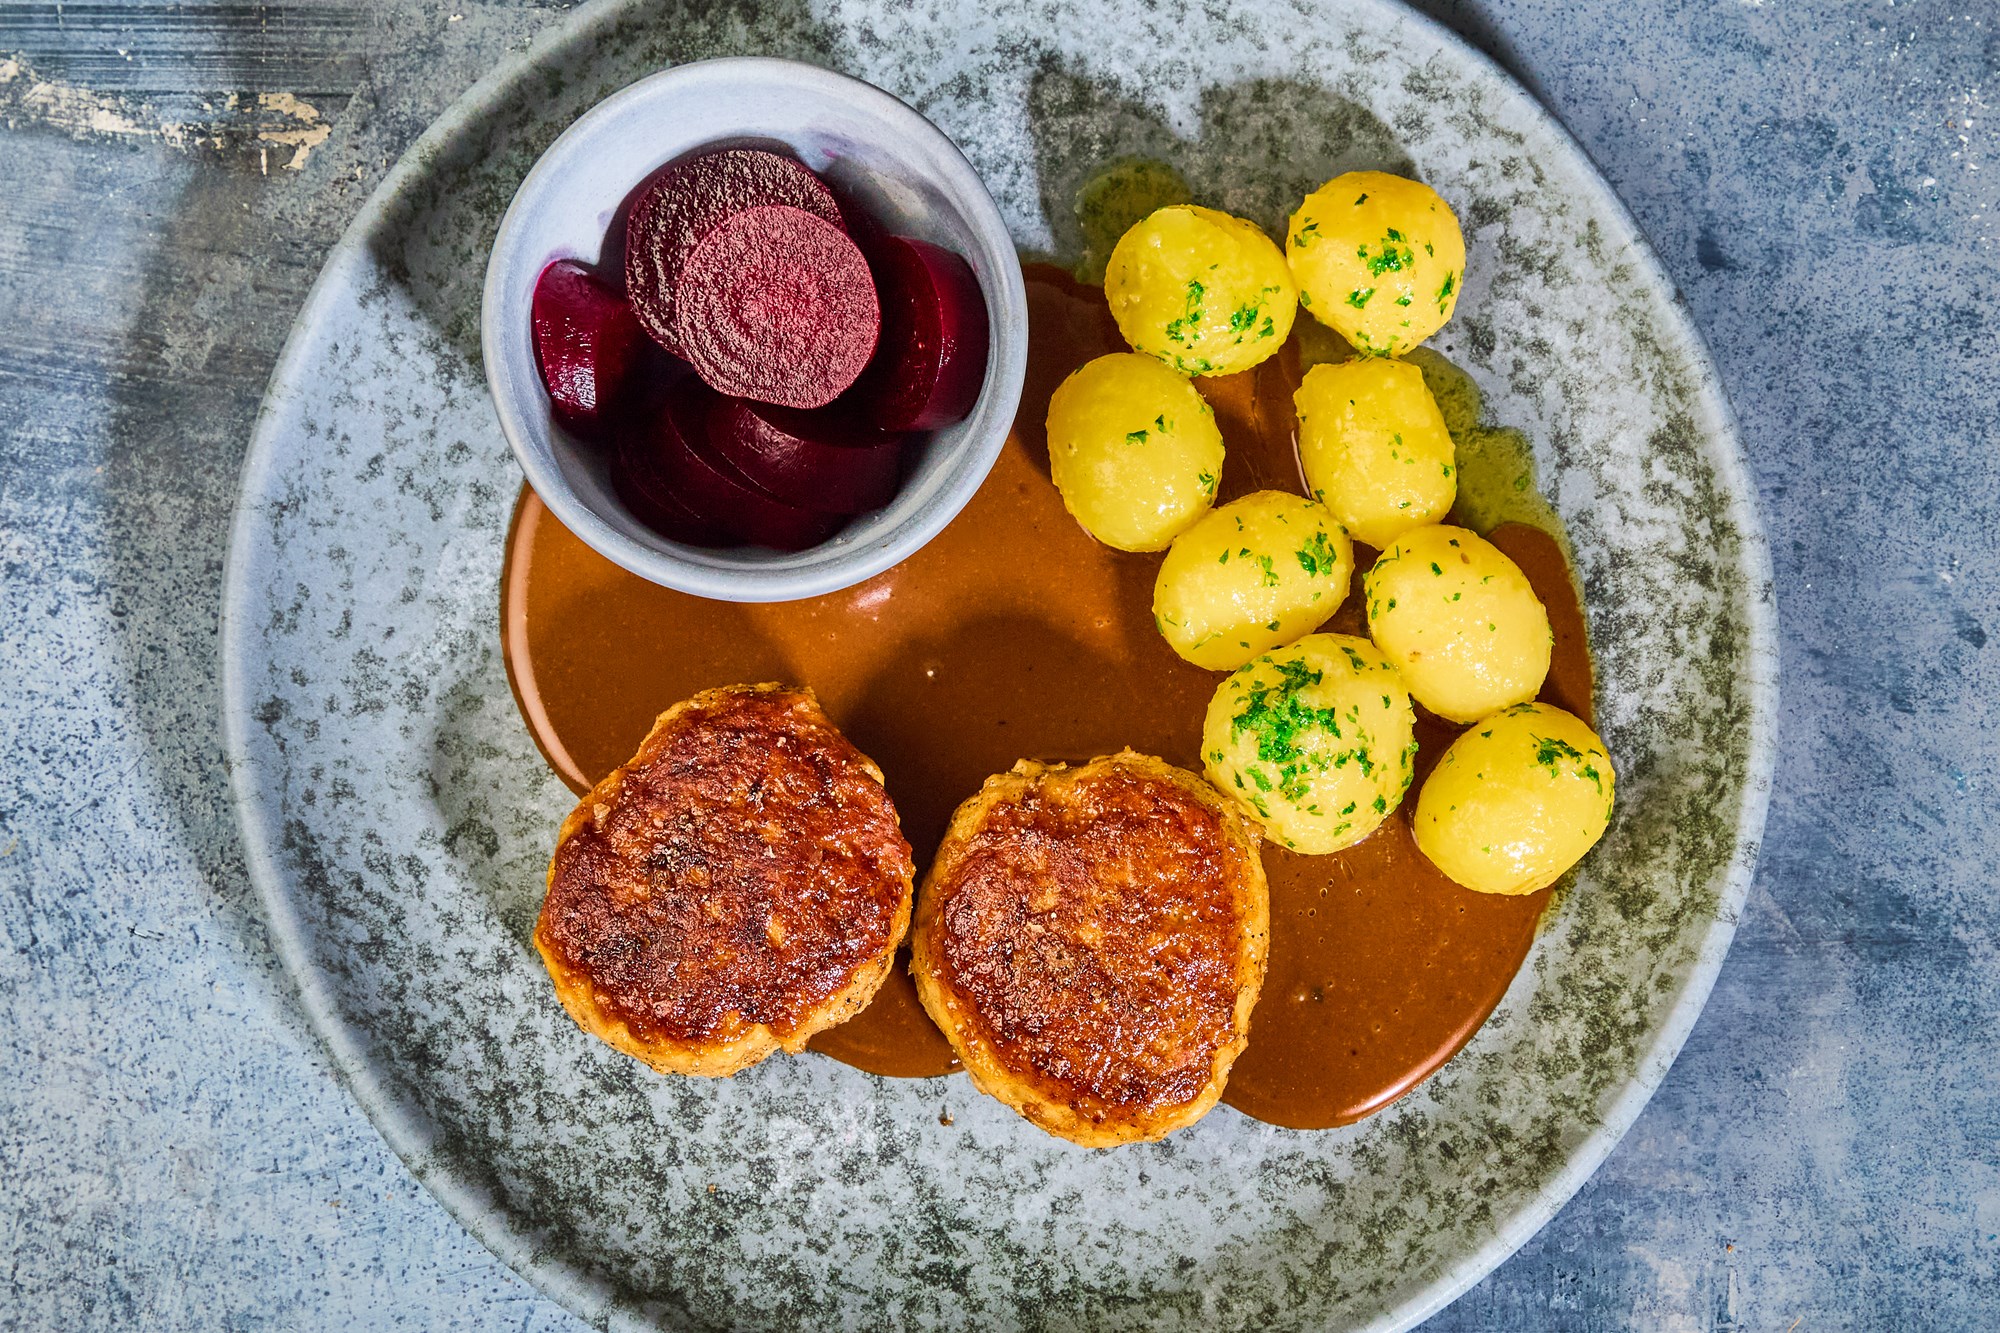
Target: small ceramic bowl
column 897, row 166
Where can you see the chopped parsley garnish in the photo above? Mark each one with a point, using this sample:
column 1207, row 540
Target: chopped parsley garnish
column 1281, row 722
column 1182, row 330
column 1358, row 298
column 1550, row 751
column 1391, row 256
column 1318, row 558
column 1135, row 437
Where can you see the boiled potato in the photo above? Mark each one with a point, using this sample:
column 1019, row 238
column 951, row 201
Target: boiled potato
column 1460, row 621
column 1205, row 292
column 1516, row 801
column 1258, row 572
column 1314, row 740
column 1375, row 448
column 1134, row 449
column 1379, row 259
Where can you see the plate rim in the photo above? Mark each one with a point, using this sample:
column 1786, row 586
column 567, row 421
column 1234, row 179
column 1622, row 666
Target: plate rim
column 552, row 1272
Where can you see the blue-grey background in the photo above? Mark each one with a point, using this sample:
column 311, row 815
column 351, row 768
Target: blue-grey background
column 1818, row 177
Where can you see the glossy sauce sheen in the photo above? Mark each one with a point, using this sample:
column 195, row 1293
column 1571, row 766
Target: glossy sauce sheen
column 1014, row 635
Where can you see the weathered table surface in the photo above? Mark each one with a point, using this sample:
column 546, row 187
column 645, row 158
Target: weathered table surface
column 1818, row 176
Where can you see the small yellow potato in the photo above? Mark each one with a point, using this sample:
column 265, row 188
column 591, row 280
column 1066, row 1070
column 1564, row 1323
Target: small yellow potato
column 1134, row 450
column 1460, row 621
column 1516, row 801
column 1379, row 260
column 1207, row 293
column 1314, row 740
column 1375, row 448
column 1258, row 572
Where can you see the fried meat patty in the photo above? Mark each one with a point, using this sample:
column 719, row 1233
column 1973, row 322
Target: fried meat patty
column 738, row 886
column 1092, row 940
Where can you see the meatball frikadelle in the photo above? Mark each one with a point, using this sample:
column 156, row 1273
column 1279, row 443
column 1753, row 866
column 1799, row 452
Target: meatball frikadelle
column 740, row 885
column 1092, row 940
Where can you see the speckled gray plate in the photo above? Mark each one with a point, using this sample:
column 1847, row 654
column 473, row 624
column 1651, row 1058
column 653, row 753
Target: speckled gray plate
column 398, row 817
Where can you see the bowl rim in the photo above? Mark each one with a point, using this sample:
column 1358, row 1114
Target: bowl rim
column 712, row 574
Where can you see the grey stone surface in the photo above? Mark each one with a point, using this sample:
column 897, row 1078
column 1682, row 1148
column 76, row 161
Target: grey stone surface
column 1819, row 179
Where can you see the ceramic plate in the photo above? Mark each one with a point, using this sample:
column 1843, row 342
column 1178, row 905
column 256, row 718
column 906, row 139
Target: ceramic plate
column 398, row 817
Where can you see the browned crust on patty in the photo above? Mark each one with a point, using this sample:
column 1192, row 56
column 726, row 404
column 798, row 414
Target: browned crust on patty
column 740, row 885
column 1092, row 941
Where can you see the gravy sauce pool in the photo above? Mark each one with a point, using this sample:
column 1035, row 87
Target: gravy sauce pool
column 1014, row 635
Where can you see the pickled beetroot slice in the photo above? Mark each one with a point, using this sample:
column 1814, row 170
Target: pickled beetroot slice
column 637, row 477
column 684, row 201
column 777, row 305
column 932, row 358
column 826, row 460
column 586, row 346
column 705, row 484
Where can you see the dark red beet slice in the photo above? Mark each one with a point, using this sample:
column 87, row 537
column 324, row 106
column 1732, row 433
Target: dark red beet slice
column 826, row 460
column 587, row 343
column 932, row 357
column 686, row 200
column 778, row 305
column 636, row 476
column 705, row 484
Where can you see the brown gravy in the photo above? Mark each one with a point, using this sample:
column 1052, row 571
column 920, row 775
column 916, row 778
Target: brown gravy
column 1013, row 634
